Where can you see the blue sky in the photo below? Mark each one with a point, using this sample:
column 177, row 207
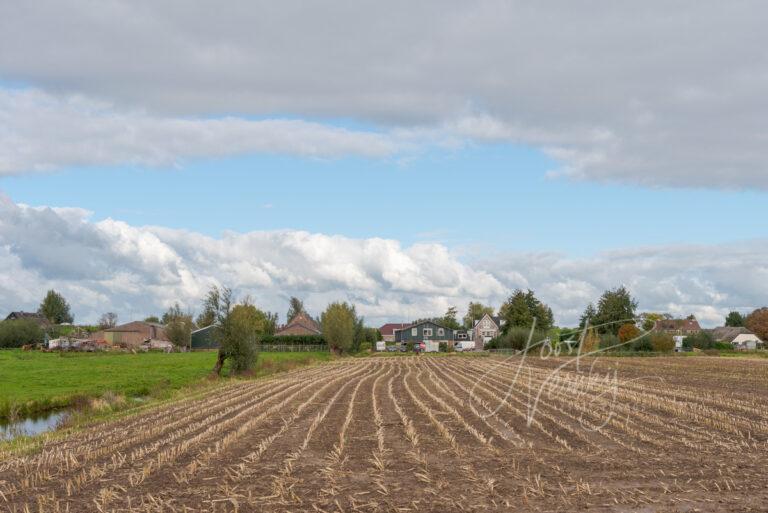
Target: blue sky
column 488, row 197
column 219, row 137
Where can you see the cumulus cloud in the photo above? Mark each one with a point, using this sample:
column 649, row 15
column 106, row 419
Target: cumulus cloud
column 706, row 280
column 640, row 92
column 110, row 265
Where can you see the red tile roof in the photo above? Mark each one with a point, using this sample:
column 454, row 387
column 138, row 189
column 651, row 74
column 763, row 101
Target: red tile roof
column 677, row 325
column 389, row 329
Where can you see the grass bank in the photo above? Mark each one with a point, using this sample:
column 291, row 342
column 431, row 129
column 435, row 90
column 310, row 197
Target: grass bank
column 34, row 382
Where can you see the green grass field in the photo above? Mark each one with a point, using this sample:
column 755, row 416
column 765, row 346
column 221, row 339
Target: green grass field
column 32, row 382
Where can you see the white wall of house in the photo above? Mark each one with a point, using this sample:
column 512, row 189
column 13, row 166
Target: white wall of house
column 745, row 341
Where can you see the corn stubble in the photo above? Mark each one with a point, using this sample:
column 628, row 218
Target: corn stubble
column 425, row 434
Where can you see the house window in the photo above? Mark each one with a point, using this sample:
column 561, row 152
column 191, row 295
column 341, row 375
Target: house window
column 427, row 332
column 486, row 323
column 440, row 332
column 414, row 332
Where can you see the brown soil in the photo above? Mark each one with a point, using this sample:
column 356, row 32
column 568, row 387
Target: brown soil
column 435, row 434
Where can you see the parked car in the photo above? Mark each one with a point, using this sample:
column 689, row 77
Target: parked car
column 392, row 349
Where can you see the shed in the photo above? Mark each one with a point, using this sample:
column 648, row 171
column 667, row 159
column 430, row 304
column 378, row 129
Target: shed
column 204, row 338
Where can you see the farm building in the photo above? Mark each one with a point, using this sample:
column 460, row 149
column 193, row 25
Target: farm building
column 301, row 324
column 688, row 326
column 37, row 318
column 425, row 331
column 204, row 338
column 133, row 334
column 388, row 330
column 740, row 338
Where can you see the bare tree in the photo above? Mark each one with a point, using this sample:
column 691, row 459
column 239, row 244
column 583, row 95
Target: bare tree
column 108, row 320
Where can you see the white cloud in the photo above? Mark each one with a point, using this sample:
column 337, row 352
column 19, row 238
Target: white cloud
column 706, row 280
column 648, row 92
column 39, row 131
column 110, row 265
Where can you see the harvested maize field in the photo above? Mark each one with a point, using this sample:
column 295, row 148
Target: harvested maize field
column 428, row 433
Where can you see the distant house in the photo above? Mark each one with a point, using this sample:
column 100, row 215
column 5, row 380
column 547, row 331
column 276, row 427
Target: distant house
column 133, row 334
column 740, row 338
column 424, row 331
column 301, row 324
column 388, row 330
column 37, row 318
column 683, row 327
column 204, row 338
column 487, row 328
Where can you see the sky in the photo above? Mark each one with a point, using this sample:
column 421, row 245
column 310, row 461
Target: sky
column 405, row 158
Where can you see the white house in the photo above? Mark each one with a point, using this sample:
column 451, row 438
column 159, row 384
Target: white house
column 741, row 338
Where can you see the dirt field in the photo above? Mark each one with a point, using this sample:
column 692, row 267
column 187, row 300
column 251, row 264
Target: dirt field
column 427, row 433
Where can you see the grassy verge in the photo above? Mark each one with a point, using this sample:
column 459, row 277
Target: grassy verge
column 35, row 382
column 108, row 402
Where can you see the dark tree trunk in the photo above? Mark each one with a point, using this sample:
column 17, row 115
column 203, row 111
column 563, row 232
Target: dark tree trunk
column 219, row 363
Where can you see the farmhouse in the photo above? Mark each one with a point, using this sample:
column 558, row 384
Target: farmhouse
column 428, row 332
column 37, row 318
column 740, row 338
column 388, row 330
column 301, row 324
column 486, row 328
column 133, row 334
column 688, row 326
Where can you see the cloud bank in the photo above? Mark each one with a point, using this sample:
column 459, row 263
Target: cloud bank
column 648, row 93
column 135, row 271
column 41, row 132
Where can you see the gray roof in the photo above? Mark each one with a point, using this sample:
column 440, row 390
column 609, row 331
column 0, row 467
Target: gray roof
column 728, row 333
column 495, row 318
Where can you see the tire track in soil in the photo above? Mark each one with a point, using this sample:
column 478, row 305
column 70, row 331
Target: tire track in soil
column 97, row 485
column 303, row 450
column 165, row 485
column 344, row 436
column 447, row 459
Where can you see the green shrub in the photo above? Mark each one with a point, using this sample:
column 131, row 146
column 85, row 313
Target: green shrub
column 610, row 341
column 517, row 338
column 20, row 332
column 723, row 346
column 308, row 340
column 701, row 340
column 443, row 347
column 642, row 344
column 662, row 342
